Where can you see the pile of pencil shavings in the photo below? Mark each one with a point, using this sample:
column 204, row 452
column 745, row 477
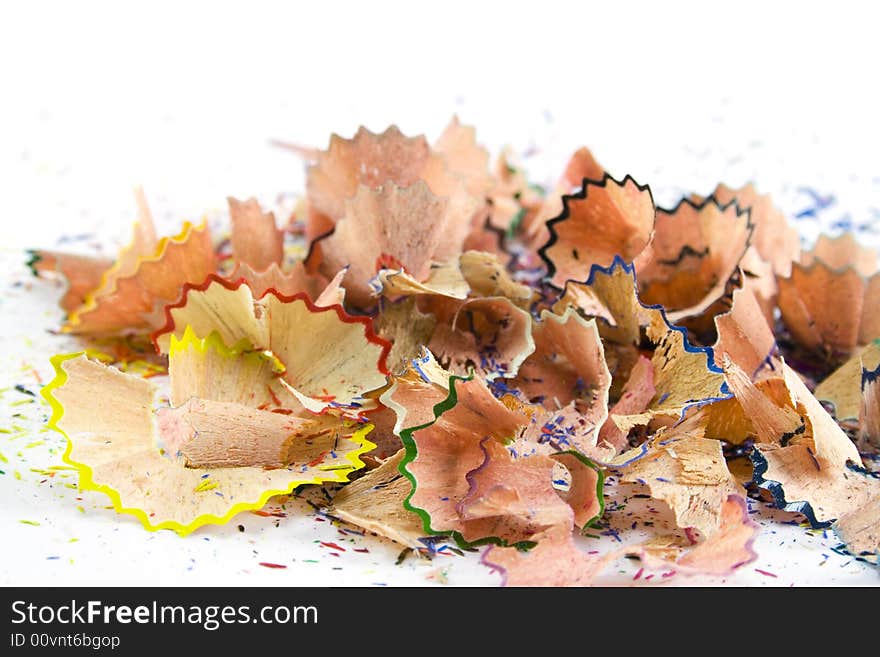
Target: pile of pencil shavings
column 475, row 356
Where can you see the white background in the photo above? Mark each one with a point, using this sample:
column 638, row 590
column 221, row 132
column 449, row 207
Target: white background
column 184, row 98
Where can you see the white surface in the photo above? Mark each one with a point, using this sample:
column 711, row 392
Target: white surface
column 184, row 99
